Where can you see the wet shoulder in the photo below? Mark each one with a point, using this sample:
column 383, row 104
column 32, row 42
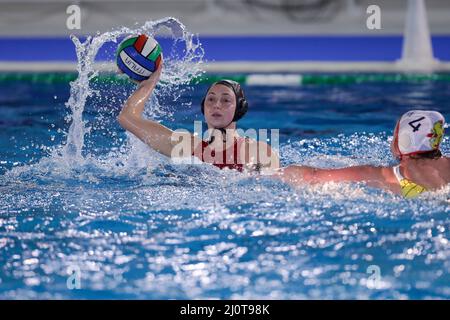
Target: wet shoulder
column 447, row 168
column 443, row 167
column 429, row 173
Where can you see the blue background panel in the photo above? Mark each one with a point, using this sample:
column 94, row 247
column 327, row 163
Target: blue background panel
column 238, row 48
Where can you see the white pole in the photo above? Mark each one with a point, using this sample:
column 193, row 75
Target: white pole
column 417, row 53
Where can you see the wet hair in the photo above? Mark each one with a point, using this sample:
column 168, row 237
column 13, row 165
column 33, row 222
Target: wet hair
column 434, row 154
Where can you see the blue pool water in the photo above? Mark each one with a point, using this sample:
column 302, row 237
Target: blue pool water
column 129, row 224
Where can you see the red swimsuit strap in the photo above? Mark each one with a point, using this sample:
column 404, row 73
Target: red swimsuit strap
column 235, row 165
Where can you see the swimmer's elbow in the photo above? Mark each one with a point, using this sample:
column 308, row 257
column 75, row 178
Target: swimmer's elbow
column 120, row 118
column 125, row 120
column 129, row 112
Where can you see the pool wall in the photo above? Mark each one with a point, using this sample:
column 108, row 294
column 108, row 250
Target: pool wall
column 236, row 53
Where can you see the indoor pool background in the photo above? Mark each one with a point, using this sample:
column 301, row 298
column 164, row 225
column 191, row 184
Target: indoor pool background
column 132, row 225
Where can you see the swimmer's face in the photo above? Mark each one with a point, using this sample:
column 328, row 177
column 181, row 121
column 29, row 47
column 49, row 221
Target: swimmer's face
column 394, row 145
column 220, row 105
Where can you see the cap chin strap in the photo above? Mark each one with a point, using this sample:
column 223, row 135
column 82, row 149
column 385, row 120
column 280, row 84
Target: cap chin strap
column 223, row 131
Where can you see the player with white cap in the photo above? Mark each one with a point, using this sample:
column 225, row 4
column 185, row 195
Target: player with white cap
column 417, row 138
column 418, row 132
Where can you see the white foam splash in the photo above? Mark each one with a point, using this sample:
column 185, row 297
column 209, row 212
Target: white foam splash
column 175, row 73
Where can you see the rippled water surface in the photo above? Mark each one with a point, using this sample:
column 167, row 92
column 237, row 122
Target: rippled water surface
column 130, row 224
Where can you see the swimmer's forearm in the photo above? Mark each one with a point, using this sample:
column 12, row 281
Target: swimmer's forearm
column 134, row 106
column 295, row 175
column 157, row 136
column 300, row 174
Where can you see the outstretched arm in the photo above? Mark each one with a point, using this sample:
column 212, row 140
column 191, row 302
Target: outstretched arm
column 149, row 131
column 380, row 177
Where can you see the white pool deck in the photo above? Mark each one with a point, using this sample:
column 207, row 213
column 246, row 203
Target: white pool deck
column 240, row 67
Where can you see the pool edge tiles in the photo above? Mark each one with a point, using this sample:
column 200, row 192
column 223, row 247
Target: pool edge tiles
column 235, row 67
column 249, row 79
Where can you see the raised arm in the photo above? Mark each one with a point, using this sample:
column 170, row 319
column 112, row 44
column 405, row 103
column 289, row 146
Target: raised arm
column 149, row 131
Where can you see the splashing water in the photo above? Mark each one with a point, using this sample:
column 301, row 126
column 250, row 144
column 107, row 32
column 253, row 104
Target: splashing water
column 176, row 73
column 190, row 232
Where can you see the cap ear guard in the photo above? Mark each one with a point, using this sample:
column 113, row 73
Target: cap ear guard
column 395, row 147
column 241, row 109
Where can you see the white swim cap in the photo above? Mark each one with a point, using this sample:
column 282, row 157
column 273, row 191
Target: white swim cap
column 419, row 131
